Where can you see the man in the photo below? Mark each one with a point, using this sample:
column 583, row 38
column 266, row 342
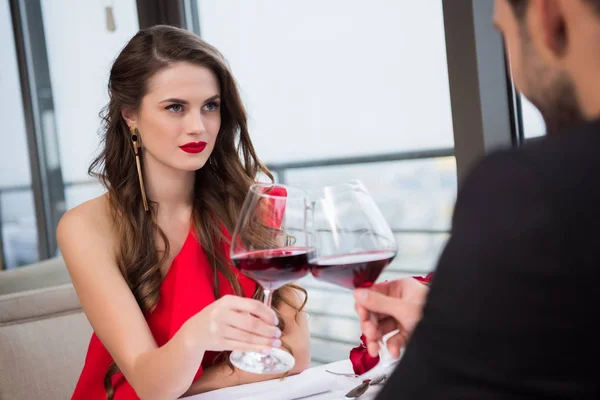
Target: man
column 514, row 302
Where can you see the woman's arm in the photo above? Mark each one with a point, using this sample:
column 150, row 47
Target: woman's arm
column 86, row 241
column 295, row 334
column 154, row 373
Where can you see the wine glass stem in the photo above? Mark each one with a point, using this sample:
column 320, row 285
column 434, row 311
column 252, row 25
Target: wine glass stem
column 268, row 296
column 384, row 354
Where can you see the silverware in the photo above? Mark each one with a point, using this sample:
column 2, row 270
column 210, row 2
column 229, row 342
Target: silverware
column 342, row 374
column 359, row 390
column 362, row 388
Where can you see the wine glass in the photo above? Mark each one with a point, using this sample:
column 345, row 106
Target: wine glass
column 352, row 242
column 270, row 245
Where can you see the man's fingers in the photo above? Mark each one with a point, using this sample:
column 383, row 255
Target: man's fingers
column 371, row 331
column 373, row 349
column 375, row 331
column 387, row 325
column 384, row 288
column 406, row 313
column 363, row 313
column 396, row 343
column 376, row 302
column 366, row 315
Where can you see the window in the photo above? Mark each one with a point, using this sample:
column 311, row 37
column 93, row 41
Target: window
column 325, row 79
column 345, row 79
column 533, row 123
column 412, row 194
column 79, row 69
column 335, row 90
column 417, row 199
column 18, row 229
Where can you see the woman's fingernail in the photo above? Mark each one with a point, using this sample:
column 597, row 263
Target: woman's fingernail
column 278, row 333
column 277, row 343
column 276, row 321
column 266, row 351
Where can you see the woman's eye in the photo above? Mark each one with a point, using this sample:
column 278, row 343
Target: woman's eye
column 212, row 106
column 176, row 108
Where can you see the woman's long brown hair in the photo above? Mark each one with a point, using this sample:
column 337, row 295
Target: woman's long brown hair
column 220, row 186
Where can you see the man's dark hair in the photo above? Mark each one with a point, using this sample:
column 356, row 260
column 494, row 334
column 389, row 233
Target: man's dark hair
column 520, row 6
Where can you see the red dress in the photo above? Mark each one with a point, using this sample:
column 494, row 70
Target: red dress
column 187, row 289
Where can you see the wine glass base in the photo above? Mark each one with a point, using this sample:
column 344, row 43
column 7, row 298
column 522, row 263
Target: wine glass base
column 276, row 362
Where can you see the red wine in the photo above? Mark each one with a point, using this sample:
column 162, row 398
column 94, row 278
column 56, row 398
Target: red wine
column 273, row 268
column 358, row 270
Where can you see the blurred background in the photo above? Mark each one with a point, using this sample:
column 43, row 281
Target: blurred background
column 404, row 95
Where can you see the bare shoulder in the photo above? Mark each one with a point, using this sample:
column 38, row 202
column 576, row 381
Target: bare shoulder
column 89, row 225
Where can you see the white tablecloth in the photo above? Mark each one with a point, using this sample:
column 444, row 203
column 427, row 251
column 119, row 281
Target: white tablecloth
column 314, row 384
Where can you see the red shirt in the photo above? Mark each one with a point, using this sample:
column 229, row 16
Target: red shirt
column 186, row 290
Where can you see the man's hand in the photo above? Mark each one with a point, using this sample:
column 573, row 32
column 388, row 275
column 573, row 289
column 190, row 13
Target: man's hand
column 395, row 305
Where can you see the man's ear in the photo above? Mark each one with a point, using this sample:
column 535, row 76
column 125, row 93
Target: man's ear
column 553, row 25
column 129, row 116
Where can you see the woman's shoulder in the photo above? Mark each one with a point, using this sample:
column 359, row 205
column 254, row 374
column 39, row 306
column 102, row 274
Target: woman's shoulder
column 89, row 223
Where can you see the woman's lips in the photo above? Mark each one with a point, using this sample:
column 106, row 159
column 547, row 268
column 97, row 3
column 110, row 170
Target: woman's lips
column 193, row 147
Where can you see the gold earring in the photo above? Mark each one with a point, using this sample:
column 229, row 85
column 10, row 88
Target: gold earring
column 136, row 151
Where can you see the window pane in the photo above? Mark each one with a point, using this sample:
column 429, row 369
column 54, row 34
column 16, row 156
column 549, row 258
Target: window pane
column 264, row 178
column 415, row 194
column 79, row 68
column 327, row 79
column 533, row 123
column 18, row 229
column 417, row 198
column 336, row 78
column 418, row 254
column 77, row 194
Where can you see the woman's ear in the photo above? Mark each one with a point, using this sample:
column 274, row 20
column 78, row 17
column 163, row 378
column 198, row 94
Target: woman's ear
column 129, row 116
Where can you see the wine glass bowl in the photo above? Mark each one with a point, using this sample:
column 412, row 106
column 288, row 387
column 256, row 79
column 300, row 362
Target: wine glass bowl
column 273, row 268
column 270, row 245
column 353, row 243
column 352, row 271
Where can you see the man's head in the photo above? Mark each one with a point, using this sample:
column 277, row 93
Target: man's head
column 554, row 51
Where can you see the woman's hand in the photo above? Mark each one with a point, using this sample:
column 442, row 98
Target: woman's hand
column 234, row 323
column 296, row 336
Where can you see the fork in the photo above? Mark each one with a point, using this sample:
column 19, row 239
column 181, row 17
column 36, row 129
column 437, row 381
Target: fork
column 342, row 374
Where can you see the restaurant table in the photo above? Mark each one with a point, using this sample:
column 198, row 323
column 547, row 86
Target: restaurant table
column 313, row 384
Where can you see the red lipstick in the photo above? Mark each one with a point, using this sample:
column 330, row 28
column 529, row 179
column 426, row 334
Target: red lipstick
column 193, row 147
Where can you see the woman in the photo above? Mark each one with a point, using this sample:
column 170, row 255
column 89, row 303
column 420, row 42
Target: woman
column 149, row 259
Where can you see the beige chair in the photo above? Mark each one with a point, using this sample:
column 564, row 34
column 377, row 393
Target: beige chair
column 51, row 272
column 43, row 341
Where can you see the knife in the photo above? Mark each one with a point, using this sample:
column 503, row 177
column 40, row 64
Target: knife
column 362, row 388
